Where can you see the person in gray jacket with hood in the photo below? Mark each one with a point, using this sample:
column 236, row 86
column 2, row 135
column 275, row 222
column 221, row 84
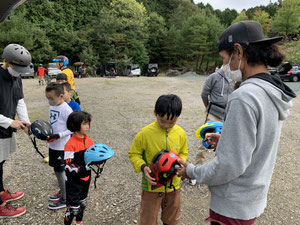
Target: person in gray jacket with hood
column 215, row 94
column 239, row 176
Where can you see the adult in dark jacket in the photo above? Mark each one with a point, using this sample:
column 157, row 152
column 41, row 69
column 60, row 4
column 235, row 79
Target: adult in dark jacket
column 16, row 61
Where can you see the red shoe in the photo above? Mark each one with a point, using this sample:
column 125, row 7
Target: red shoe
column 10, row 212
column 79, row 222
column 6, row 196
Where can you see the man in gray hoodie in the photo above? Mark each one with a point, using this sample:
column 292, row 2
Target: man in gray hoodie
column 239, row 176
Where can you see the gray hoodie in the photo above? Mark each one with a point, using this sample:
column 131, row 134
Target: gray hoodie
column 216, row 90
column 240, row 174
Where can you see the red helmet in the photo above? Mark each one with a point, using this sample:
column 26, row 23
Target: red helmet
column 163, row 166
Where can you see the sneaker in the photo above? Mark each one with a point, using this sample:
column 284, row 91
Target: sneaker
column 79, row 222
column 6, row 196
column 59, row 204
column 55, row 197
column 10, row 212
column 46, row 159
column 192, row 182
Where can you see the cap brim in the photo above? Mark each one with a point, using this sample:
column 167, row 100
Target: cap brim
column 267, row 41
column 21, row 69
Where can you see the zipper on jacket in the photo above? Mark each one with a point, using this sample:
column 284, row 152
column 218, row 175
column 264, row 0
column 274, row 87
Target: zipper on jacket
column 166, row 140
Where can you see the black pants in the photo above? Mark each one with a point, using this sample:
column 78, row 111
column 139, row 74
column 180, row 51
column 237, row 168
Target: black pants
column 77, row 190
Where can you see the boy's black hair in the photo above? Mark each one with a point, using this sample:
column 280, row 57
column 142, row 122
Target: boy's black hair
column 169, row 105
column 61, row 76
column 67, row 86
column 76, row 118
column 56, row 87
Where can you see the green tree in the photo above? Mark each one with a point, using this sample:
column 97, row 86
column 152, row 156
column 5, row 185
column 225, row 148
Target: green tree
column 241, row 17
column 183, row 11
column 18, row 30
column 287, row 18
column 227, row 16
column 200, row 34
column 121, row 31
column 264, row 19
column 157, row 35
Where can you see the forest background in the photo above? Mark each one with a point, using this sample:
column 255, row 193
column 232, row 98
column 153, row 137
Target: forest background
column 172, row 33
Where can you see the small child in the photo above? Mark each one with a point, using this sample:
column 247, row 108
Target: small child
column 62, row 78
column 68, row 92
column 78, row 173
column 159, row 135
column 58, row 115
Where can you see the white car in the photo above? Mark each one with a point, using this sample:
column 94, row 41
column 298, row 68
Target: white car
column 53, row 70
column 132, row 70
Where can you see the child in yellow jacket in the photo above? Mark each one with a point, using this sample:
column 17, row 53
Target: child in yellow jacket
column 159, row 135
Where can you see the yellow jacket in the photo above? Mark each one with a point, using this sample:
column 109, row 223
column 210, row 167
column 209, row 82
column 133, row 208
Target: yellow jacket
column 70, row 76
column 149, row 141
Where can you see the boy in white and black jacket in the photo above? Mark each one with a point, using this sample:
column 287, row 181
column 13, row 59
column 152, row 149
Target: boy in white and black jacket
column 58, row 115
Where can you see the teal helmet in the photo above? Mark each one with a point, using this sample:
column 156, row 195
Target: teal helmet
column 98, row 154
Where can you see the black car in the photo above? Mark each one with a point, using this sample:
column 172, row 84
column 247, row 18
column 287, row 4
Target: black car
column 292, row 75
column 107, row 70
column 289, row 72
column 152, row 69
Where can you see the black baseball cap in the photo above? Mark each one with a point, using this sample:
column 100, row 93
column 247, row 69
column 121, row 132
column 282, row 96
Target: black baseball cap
column 62, row 76
column 248, row 32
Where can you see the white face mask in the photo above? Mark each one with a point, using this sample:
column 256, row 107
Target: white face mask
column 235, row 75
column 13, row 72
column 53, row 102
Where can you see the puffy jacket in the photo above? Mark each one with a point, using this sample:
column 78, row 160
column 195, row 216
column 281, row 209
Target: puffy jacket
column 149, row 141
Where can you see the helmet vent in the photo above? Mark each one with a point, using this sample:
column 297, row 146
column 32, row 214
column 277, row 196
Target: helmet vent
column 16, row 48
column 102, row 151
column 21, row 52
column 164, row 163
column 101, row 155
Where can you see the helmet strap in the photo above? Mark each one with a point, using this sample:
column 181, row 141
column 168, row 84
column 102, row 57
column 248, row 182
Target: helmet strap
column 98, row 172
column 33, row 140
column 165, row 198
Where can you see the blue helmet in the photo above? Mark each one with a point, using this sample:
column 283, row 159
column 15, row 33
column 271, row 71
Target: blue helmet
column 98, row 153
column 209, row 127
column 61, row 59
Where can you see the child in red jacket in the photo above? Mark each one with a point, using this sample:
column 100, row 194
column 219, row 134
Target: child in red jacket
column 77, row 172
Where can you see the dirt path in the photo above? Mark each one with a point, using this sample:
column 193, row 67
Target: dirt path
column 120, row 107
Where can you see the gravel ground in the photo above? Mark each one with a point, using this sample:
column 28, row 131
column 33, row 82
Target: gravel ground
column 120, row 107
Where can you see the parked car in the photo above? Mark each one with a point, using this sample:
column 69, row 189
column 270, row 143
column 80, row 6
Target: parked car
column 132, row 70
column 110, row 69
column 29, row 74
column 152, row 69
column 292, row 75
column 78, row 70
column 53, row 70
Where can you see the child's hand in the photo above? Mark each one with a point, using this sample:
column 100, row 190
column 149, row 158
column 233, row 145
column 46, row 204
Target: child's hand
column 212, row 139
column 88, row 166
column 147, row 173
column 52, row 137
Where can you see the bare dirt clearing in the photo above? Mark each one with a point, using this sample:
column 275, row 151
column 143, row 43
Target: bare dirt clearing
column 120, row 108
